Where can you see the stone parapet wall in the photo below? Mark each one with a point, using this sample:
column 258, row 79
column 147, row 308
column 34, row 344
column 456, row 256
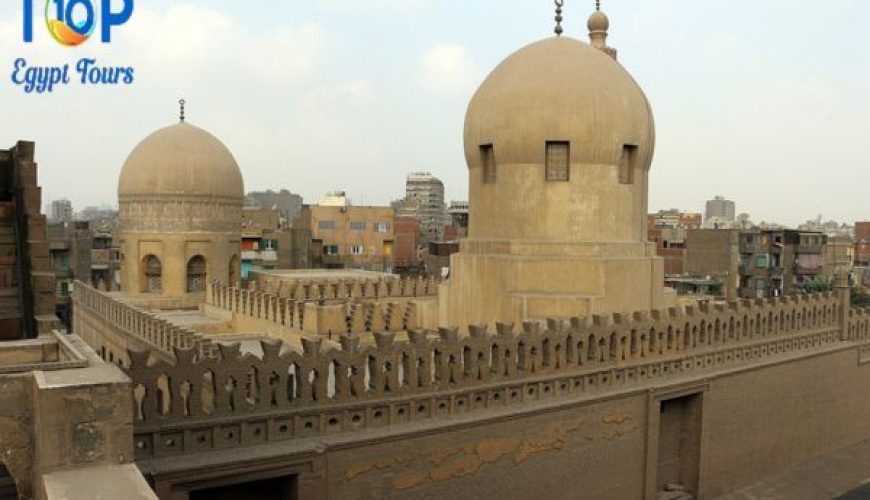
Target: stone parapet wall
column 304, row 316
column 346, row 289
column 197, row 403
column 103, row 321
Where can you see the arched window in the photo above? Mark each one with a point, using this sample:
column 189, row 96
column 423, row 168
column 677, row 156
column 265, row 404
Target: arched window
column 234, row 271
column 196, row 274
column 153, row 274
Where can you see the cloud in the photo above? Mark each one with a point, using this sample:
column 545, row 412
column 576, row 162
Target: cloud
column 368, row 5
column 447, row 68
column 200, row 41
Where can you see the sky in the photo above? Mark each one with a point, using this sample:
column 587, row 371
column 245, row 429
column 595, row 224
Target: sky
column 764, row 102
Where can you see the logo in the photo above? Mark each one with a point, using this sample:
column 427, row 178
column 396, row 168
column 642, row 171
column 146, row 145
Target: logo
column 72, row 22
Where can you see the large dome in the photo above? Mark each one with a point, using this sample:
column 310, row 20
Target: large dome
column 559, row 89
column 181, row 159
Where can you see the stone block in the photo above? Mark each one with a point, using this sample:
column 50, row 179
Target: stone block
column 46, row 323
column 24, row 150
column 43, row 281
column 32, row 197
column 39, row 264
column 88, row 442
column 7, row 210
column 44, row 302
column 38, row 248
column 27, row 171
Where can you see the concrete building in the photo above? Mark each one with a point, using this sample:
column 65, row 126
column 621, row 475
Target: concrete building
column 268, row 242
column 670, row 246
column 715, row 253
column 351, row 236
column 720, row 214
column 408, row 259
column 862, row 244
column 839, row 255
column 69, row 255
column 775, row 263
column 61, row 211
column 667, row 229
column 424, row 199
column 675, row 218
column 334, row 199
column 105, row 261
column 458, row 212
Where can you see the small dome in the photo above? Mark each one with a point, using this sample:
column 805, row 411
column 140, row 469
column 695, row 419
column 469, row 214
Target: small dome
column 598, row 21
column 559, row 89
column 181, row 159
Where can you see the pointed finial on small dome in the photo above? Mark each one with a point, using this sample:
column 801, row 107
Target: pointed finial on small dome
column 598, row 25
column 559, row 5
column 181, row 103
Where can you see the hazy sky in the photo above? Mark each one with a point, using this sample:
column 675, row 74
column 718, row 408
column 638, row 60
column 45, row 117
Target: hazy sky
column 765, row 102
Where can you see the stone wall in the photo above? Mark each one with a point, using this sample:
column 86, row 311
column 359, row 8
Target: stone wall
column 346, row 289
column 441, row 374
column 27, row 286
column 63, row 411
column 112, row 327
column 518, row 413
column 334, row 316
column 549, row 406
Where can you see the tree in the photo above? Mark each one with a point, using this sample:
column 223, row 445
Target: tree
column 817, row 285
column 860, row 297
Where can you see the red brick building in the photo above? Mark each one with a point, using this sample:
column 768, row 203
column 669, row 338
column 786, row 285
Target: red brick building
column 407, row 233
column 862, row 244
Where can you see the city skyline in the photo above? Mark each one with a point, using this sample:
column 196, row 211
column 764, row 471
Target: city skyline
column 750, row 108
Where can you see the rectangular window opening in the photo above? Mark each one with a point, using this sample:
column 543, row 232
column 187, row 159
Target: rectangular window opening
column 558, row 160
column 487, row 161
column 627, row 164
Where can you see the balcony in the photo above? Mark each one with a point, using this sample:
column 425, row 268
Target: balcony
column 250, row 255
column 269, row 255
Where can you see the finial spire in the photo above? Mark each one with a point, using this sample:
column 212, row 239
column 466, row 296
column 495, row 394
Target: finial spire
column 559, row 5
column 181, row 109
column 598, row 25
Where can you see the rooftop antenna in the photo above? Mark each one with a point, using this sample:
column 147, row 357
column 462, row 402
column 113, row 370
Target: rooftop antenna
column 181, row 103
column 559, row 5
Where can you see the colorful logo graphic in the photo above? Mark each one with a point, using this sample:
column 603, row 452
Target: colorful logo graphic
column 72, row 24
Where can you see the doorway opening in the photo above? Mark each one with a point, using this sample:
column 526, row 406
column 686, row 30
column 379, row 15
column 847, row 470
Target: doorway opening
column 279, row 488
column 679, row 451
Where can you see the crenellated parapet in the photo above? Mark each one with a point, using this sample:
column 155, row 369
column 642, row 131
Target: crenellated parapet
column 315, row 317
column 139, row 327
column 859, row 323
column 322, row 388
column 311, row 290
